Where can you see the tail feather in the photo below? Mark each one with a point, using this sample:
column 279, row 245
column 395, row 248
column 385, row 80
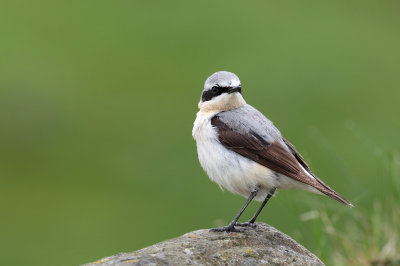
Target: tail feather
column 309, row 178
column 338, row 198
column 325, row 189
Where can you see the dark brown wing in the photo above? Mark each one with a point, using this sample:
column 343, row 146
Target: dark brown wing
column 273, row 156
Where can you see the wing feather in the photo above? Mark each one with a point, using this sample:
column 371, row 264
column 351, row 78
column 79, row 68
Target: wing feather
column 273, row 155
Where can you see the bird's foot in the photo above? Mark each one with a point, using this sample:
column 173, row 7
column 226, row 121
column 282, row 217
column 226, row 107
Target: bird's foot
column 226, row 229
column 249, row 224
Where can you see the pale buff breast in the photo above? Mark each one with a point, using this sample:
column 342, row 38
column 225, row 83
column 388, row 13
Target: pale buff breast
column 227, row 168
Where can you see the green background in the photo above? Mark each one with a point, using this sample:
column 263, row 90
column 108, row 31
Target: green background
column 98, row 99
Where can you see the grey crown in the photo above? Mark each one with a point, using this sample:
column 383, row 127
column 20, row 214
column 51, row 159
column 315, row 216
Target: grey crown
column 222, row 78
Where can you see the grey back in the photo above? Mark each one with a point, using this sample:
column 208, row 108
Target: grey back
column 247, row 120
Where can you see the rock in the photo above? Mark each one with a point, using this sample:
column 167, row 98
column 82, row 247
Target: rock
column 254, row 246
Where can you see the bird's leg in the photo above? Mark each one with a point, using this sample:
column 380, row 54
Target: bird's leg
column 252, row 220
column 231, row 226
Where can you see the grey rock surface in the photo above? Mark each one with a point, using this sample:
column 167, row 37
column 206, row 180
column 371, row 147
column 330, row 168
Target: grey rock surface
column 263, row 245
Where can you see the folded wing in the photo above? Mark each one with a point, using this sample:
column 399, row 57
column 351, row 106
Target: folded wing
column 277, row 154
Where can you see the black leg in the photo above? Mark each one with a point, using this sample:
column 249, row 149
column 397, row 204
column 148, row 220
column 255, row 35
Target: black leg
column 252, row 220
column 231, row 226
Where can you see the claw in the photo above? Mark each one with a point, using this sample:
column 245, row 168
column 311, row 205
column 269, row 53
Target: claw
column 226, row 229
column 247, row 224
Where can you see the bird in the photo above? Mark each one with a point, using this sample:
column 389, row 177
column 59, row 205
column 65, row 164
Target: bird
column 242, row 151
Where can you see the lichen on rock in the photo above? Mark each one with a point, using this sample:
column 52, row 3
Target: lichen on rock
column 262, row 245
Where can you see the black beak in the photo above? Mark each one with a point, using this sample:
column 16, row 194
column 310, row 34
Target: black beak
column 235, row 89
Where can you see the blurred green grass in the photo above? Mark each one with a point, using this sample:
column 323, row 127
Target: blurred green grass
column 97, row 101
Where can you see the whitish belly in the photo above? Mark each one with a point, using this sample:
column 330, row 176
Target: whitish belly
column 233, row 171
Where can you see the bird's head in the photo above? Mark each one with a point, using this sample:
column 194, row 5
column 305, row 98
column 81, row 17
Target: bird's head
column 222, row 92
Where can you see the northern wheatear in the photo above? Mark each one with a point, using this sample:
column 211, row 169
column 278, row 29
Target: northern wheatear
column 242, row 151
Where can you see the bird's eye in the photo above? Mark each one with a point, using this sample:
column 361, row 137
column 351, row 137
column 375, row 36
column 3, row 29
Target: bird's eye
column 214, row 90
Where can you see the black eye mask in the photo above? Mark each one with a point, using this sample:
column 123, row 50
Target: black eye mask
column 217, row 90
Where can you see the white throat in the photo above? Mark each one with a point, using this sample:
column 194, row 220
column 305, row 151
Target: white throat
column 223, row 102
